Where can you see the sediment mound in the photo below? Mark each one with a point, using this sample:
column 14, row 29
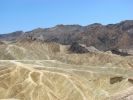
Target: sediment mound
column 50, row 79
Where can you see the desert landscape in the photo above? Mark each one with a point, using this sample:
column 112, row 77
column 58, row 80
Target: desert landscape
column 68, row 62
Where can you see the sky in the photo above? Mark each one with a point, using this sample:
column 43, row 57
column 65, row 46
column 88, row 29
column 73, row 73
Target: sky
column 16, row 15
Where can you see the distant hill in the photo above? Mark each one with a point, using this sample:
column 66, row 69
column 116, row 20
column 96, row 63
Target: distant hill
column 102, row 37
column 11, row 36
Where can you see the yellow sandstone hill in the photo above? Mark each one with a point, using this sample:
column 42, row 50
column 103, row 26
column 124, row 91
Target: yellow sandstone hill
column 48, row 71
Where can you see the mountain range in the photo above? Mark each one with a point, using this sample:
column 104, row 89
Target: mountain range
column 102, row 37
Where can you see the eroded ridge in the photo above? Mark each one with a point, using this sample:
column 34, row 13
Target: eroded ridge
column 54, row 80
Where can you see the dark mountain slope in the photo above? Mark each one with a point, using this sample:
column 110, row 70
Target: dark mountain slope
column 103, row 37
column 11, row 36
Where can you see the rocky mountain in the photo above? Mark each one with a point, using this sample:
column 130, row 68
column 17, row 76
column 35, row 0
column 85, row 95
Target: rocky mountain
column 102, row 37
column 11, row 36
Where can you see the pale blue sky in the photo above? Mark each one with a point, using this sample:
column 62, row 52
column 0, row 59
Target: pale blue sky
column 29, row 14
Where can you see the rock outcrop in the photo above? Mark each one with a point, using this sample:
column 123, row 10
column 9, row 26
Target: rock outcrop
column 78, row 48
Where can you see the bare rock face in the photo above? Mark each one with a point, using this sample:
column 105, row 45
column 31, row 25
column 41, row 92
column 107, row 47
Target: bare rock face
column 102, row 37
column 120, row 52
column 81, row 48
column 116, row 79
column 77, row 48
column 11, row 36
column 123, row 52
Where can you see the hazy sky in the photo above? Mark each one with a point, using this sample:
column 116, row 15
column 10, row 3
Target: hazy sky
column 29, row 14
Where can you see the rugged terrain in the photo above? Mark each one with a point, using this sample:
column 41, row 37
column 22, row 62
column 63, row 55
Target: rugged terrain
column 102, row 37
column 68, row 62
